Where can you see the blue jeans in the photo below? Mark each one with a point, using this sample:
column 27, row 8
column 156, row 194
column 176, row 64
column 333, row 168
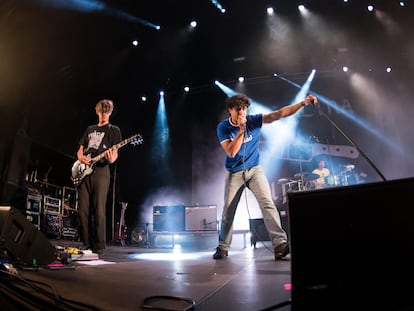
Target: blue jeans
column 256, row 180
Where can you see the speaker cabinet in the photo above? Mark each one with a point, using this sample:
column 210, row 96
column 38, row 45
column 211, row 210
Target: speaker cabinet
column 258, row 231
column 21, row 241
column 353, row 247
column 201, row 218
column 169, row 218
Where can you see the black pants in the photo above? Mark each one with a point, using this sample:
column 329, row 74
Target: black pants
column 93, row 193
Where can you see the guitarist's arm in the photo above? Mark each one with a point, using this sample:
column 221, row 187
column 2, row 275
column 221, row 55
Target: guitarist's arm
column 111, row 155
column 81, row 157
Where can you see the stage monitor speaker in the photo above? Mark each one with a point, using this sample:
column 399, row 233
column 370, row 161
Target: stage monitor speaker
column 21, row 241
column 169, row 218
column 353, row 247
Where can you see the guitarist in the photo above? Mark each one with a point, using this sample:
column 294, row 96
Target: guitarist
column 93, row 190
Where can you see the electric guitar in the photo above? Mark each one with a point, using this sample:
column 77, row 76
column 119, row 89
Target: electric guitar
column 81, row 170
column 121, row 228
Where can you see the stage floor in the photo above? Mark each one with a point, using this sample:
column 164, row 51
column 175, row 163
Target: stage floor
column 130, row 277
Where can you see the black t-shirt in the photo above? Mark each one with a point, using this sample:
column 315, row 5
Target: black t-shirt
column 96, row 139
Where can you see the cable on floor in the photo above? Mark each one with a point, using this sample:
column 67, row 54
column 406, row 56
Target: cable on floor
column 150, row 303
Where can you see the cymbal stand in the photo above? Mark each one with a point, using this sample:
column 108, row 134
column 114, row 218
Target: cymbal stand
column 301, row 185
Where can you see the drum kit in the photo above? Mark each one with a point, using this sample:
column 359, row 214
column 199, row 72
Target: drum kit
column 305, row 180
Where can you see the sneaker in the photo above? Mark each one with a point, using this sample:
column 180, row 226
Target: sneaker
column 220, row 253
column 281, row 250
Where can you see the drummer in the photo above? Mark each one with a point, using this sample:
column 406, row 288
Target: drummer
column 323, row 172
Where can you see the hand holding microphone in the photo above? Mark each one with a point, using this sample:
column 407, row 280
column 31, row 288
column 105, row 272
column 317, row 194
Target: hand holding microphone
column 242, row 122
column 311, row 99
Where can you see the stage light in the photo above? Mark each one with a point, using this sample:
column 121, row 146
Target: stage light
column 134, row 42
column 193, row 24
column 370, row 8
column 345, row 69
column 388, row 69
column 218, row 6
column 241, row 79
column 270, row 11
column 186, row 89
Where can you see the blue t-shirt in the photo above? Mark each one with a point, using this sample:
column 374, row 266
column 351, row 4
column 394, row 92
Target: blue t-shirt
column 248, row 155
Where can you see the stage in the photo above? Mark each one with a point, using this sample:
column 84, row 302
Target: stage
column 142, row 278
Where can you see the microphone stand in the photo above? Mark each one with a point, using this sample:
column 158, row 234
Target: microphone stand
column 353, row 144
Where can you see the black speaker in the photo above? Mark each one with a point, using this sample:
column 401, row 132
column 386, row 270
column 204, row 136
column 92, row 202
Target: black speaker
column 21, row 241
column 258, row 231
column 170, row 218
column 353, row 247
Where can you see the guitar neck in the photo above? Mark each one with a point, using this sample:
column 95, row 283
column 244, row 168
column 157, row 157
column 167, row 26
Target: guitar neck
column 114, row 147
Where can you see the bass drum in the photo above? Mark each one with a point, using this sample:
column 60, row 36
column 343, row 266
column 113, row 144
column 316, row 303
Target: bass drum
column 333, row 181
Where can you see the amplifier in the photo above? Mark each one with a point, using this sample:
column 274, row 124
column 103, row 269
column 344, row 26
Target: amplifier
column 34, row 203
column 51, row 204
column 168, row 218
column 201, row 218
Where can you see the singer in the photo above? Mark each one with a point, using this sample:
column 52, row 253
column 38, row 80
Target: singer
column 239, row 136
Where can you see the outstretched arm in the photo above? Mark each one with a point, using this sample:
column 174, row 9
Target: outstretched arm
column 287, row 111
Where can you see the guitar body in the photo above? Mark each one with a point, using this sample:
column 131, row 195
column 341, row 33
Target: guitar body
column 81, row 170
column 121, row 233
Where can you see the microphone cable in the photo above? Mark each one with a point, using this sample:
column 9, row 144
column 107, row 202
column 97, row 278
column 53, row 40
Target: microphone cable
column 155, row 303
column 252, row 228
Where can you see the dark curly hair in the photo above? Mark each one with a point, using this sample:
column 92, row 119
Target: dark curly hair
column 239, row 100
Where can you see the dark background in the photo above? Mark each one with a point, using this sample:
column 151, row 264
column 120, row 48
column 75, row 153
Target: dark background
column 58, row 58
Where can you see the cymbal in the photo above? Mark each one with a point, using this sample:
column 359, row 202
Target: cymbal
column 349, row 167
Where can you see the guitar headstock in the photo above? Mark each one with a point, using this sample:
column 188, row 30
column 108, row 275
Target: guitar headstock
column 136, row 139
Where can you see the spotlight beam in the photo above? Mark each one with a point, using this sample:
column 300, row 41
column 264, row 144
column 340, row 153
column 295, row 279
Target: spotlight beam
column 90, row 6
column 331, row 103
